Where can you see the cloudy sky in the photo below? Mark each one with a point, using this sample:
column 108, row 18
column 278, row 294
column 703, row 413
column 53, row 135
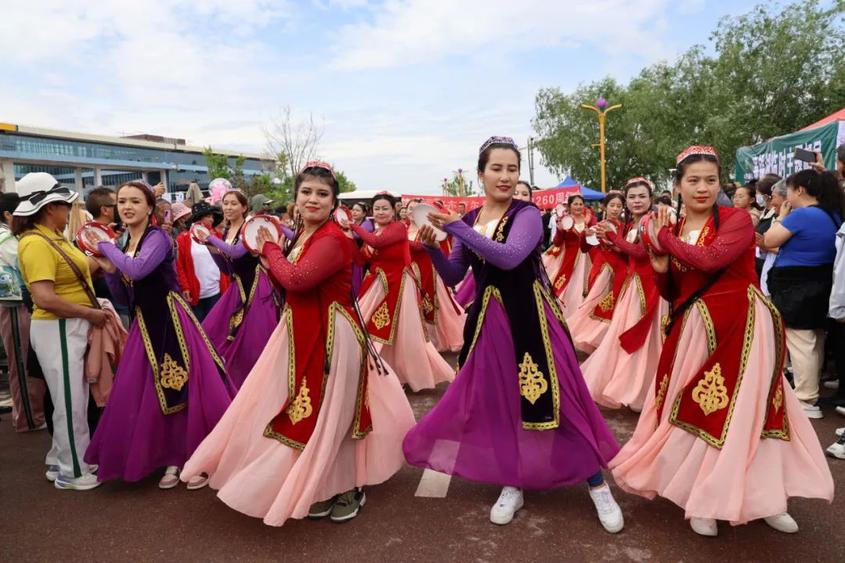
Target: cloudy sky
column 405, row 90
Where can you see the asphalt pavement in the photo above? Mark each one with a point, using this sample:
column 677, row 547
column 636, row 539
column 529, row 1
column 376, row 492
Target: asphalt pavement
column 139, row 522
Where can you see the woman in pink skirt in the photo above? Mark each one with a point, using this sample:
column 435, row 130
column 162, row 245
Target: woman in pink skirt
column 590, row 322
column 621, row 369
column 313, row 422
column 568, row 261
column 390, row 302
column 722, row 434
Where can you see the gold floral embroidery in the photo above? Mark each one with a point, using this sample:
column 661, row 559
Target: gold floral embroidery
column 778, row 400
column 560, row 281
column 661, row 392
column 173, row 376
column 711, row 393
column 382, row 317
column 532, row 384
column 606, row 304
column 428, row 307
column 500, row 231
column 300, row 408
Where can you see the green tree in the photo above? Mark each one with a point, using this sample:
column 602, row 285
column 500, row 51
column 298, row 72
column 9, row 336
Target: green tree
column 458, row 185
column 217, row 164
column 344, row 183
column 773, row 71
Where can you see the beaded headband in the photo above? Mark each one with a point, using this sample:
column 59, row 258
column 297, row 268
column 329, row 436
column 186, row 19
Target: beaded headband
column 697, row 150
column 498, row 141
column 320, row 164
column 640, row 180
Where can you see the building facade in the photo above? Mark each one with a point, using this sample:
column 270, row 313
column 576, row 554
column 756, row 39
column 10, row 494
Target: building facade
column 84, row 161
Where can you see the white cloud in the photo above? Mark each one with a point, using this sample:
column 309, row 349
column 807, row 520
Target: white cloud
column 420, row 31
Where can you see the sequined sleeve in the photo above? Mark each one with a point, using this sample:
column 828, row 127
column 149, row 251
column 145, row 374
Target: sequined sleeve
column 633, row 249
column 733, row 238
column 391, row 234
column 152, row 254
column 523, row 239
column 288, row 232
column 322, row 260
column 451, row 269
column 233, row 251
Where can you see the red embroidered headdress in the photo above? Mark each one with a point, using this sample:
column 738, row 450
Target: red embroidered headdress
column 697, row 150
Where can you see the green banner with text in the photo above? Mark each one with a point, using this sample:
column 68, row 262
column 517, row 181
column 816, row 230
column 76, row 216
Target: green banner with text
column 777, row 155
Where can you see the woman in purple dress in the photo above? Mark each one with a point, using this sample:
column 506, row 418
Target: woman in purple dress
column 359, row 217
column 518, row 413
column 248, row 312
column 171, row 388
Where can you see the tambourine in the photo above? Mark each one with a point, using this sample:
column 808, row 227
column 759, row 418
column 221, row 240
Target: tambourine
column 648, row 233
column 249, row 234
column 419, row 215
column 592, row 240
column 92, row 233
column 560, row 210
column 567, row 223
column 343, row 216
column 200, row 233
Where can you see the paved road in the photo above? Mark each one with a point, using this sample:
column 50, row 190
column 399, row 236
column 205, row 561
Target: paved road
column 124, row 522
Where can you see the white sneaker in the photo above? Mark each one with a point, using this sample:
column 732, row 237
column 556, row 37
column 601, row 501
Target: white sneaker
column 841, row 410
column 197, row 482
column 84, row 483
column 831, row 384
column 52, row 473
column 610, row 515
column 510, row 501
column 170, row 478
column 782, row 522
column 704, row 527
column 837, row 449
column 812, row 411
column 840, row 431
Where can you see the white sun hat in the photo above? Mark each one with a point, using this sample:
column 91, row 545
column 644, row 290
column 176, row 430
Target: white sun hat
column 37, row 189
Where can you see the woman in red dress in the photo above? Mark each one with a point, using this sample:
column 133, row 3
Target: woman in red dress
column 444, row 318
column 721, row 434
column 622, row 368
column 567, row 263
column 590, row 322
column 313, row 422
column 390, row 302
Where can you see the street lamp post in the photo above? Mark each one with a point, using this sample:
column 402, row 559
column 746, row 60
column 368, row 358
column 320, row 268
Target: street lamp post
column 601, row 110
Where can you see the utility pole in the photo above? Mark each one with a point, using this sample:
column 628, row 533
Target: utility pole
column 531, row 160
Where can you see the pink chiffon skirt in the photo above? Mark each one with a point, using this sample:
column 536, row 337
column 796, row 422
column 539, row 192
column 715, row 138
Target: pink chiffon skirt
column 588, row 331
column 412, row 356
column 615, row 377
column 447, row 333
column 750, row 477
column 264, row 478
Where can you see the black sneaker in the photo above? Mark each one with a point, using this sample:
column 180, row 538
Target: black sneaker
column 321, row 509
column 347, row 505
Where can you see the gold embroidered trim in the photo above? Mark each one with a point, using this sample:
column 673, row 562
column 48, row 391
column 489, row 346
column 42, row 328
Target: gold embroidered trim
column 395, row 320
column 532, row 385
column 777, row 375
column 719, row 441
column 489, row 291
column 708, row 325
column 336, row 309
column 500, row 230
column 287, row 321
column 381, row 318
column 173, row 376
column 711, row 393
column 541, row 297
column 661, row 392
column 300, row 408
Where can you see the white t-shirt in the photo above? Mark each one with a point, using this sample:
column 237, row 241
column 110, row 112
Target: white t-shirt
column 205, row 269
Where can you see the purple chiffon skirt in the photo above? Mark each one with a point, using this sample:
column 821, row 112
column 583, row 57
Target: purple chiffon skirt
column 475, row 431
column 260, row 319
column 134, row 437
column 465, row 294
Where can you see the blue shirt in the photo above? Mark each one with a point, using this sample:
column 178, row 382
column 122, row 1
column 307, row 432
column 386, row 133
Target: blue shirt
column 813, row 241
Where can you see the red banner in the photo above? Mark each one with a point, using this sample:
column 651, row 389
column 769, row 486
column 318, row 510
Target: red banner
column 544, row 199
